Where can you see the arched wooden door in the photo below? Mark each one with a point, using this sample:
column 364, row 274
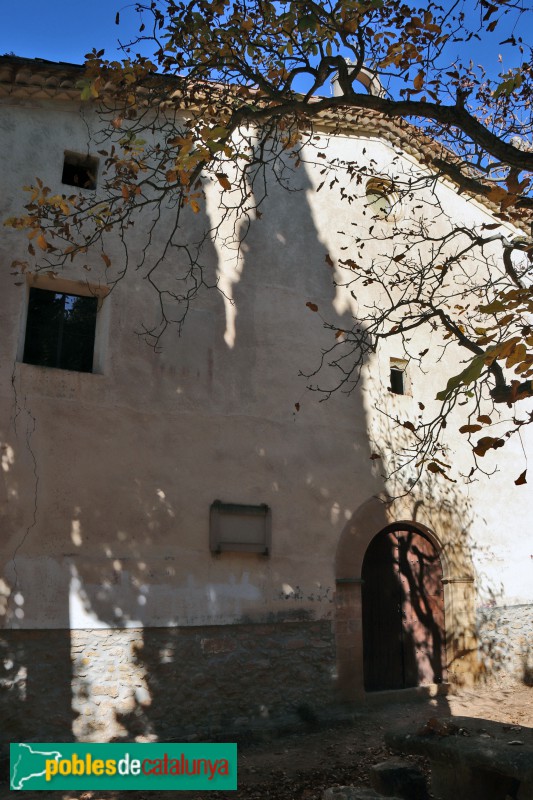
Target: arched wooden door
column 403, row 612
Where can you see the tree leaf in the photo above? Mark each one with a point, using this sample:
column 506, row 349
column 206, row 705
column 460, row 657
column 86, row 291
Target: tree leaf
column 312, row 306
column 494, row 307
column 517, row 355
column 469, row 428
column 223, row 180
column 467, row 376
column 521, row 478
column 86, row 93
column 419, row 80
column 487, row 443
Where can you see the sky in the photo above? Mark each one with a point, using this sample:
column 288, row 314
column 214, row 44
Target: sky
column 65, row 30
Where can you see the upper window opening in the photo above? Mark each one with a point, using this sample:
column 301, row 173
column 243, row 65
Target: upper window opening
column 80, row 170
column 60, row 330
column 396, row 381
column 398, row 376
column 380, row 198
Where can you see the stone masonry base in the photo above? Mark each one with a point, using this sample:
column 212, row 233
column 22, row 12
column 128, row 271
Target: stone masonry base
column 163, row 683
column 506, row 643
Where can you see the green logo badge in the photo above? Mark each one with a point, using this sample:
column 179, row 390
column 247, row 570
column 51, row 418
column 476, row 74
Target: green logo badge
column 123, row 766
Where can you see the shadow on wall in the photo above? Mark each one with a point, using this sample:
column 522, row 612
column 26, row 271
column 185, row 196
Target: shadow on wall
column 219, row 678
column 79, row 481
column 36, row 686
column 120, row 558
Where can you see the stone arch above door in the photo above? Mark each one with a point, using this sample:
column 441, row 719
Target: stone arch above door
column 372, row 517
column 375, row 515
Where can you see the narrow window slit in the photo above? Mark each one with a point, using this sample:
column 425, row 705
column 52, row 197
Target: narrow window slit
column 398, row 376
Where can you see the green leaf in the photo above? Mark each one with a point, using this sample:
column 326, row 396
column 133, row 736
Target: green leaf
column 468, row 375
column 494, row 307
column 508, row 86
column 218, row 133
column 307, row 23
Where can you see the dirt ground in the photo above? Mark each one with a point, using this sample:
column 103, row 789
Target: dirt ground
column 299, row 766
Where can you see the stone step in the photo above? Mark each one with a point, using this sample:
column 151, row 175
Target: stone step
column 401, row 778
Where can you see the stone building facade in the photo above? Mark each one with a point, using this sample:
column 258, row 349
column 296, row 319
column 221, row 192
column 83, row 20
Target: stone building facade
column 119, row 618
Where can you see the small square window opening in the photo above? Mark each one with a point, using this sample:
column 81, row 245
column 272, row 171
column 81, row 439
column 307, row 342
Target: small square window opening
column 60, row 330
column 396, row 380
column 79, row 170
column 399, row 379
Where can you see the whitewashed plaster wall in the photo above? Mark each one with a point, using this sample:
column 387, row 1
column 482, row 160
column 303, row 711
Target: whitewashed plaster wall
column 107, row 478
